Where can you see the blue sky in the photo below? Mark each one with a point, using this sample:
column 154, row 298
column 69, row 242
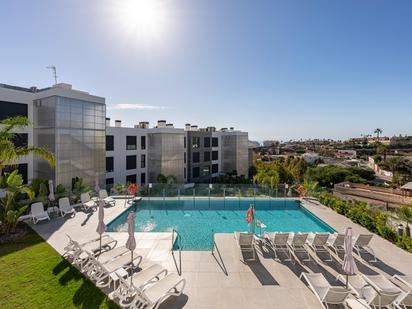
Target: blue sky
column 278, row 69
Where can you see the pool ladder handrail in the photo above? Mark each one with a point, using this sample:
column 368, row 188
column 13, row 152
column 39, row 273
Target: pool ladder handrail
column 179, row 239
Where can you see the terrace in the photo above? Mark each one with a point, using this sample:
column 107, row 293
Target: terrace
column 220, row 279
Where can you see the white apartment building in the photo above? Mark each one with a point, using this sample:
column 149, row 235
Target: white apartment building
column 68, row 122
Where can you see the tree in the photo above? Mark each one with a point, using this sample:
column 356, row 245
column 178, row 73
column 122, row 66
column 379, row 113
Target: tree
column 382, row 149
column 405, row 214
column 9, row 153
column 161, row 178
column 378, row 132
column 11, row 207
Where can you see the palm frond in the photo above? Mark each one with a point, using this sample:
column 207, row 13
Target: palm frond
column 40, row 152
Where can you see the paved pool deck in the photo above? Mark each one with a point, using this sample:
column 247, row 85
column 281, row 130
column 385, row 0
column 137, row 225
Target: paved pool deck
column 221, row 279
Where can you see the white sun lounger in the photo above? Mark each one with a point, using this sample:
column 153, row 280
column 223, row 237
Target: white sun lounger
column 297, row 244
column 336, row 242
column 87, row 202
column 319, row 243
column 372, row 291
column 106, row 198
column 361, row 245
column 65, row 207
column 38, row 213
column 279, row 241
column 325, row 293
column 246, row 243
column 107, row 273
column 129, row 287
column 152, row 296
column 406, row 298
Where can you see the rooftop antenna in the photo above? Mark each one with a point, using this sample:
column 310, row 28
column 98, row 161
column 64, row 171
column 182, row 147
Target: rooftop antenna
column 54, row 70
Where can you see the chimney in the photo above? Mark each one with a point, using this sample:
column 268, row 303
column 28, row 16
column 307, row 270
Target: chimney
column 193, row 127
column 169, row 125
column 187, row 126
column 223, row 129
column 142, row 125
column 232, row 128
column 33, row 89
column 107, row 122
column 118, row 123
column 161, row 123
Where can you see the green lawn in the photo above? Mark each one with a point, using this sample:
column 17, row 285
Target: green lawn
column 34, row 275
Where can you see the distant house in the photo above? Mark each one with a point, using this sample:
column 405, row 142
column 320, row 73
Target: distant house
column 310, row 157
column 346, row 154
column 378, row 170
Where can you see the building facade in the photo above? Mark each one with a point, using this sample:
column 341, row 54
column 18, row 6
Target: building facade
column 67, row 122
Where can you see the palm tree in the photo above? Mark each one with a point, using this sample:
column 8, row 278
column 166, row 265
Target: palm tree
column 9, row 153
column 378, row 131
column 405, row 214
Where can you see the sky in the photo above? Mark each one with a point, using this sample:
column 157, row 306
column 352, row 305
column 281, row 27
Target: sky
column 277, row 69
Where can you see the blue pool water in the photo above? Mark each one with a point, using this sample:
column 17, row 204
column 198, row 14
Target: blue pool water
column 196, row 221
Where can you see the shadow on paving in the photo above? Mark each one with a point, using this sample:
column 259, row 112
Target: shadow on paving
column 260, row 271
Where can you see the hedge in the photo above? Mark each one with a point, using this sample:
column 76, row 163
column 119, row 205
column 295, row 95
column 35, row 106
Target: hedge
column 374, row 220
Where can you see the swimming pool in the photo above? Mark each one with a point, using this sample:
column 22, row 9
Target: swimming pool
column 197, row 220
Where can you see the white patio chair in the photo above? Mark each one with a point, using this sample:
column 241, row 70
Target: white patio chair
column 324, row 292
column 246, row 243
column 361, row 245
column 106, row 198
column 65, row 207
column 279, row 241
column 38, row 213
column 153, row 295
column 128, row 287
column 336, row 242
column 87, row 202
column 297, row 244
column 319, row 243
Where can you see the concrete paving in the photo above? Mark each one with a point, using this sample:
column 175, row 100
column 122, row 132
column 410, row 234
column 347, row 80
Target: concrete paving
column 221, row 279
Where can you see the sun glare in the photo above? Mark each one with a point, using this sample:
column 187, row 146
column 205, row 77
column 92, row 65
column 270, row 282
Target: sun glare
column 146, row 19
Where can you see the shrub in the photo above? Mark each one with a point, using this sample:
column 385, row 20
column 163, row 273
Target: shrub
column 405, row 243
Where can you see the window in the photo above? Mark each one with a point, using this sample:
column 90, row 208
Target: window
column 20, row 139
column 206, row 171
column 184, row 158
column 109, row 164
column 131, row 178
column 143, row 161
column 109, row 183
column 184, row 172
column 22, row 168
column 142, row 142
column 109, row 142
column 206, row 156
column 215, row 142
column 196, row 157
column 215, row 168
column 215, row 155
column 207, row 141
column 131, row 162
column 10, row 109
column 143, row 178
column 184, row 142
column 196, row 172
column 131, row 142
column 195, row 142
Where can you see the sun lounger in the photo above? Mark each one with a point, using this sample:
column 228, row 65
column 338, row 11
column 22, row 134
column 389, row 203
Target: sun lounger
column 106, row 198
column 372, row 291
column 325, row 293
column 107, row 273
column 65, row 207
column 129, row 287
column 406, row 298
column 152, row 296
column 336, row 242
column 297, row 244
column 87, row 202
column 38, row 213
column 279, row 241
column 361, row 245
column 319, row 242
column 246, row 243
